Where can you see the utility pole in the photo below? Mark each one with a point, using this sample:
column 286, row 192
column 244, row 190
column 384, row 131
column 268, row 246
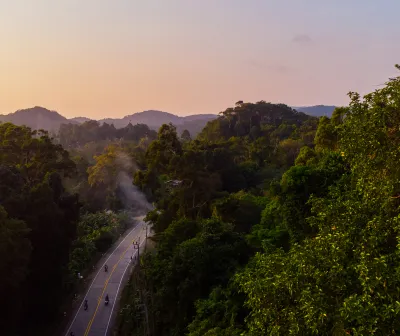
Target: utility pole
column 145, row 243
column 136, row 246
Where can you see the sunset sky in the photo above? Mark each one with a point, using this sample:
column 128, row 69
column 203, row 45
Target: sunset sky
column 99, row 58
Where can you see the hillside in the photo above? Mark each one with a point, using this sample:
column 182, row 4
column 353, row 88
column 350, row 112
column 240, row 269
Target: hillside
column 42, row 118
column 154, row 119
column 270, row 218
column 79, row 120
column 249, row 119
column 317, row 110
column 37, row 118
column 150, row 118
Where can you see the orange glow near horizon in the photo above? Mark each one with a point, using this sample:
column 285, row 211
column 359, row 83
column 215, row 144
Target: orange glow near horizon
column 103, row 59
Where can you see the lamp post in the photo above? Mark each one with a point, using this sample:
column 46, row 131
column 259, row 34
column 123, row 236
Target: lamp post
column 136, row 246
column 145, row 243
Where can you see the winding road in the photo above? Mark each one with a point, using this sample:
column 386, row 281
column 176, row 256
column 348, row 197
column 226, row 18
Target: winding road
column 98, row 319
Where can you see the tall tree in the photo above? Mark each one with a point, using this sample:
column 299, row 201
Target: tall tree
column 32, row 194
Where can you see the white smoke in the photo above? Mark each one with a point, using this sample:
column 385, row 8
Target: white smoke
column 133, row 199
column 125, row 162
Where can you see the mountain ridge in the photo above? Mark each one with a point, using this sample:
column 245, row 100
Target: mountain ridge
column 316, row 110
column 42, row 118
column 36, row 117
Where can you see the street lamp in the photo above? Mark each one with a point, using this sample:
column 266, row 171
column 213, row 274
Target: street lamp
column 136, row 246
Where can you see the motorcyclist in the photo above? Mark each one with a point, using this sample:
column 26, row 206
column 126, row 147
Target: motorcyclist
column 107, row 299
column 105, row 268
column 86, row 305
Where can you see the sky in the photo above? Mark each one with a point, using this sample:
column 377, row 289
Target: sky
column 111, row 58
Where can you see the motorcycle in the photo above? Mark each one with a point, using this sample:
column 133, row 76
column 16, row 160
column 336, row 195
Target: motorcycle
column 107, row 300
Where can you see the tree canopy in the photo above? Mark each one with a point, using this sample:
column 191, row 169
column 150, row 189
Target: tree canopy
column 313, row 206
column 269, row 222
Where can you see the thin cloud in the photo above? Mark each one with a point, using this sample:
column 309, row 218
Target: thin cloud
column 302, row 39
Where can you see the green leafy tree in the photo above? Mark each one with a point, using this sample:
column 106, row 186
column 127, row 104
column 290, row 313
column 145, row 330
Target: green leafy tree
column 326, row 136
column 221, row 314
column 241, row 209
column 32, row 193
column 200, row 262
column 15, row 252
column 185, row 136
column 306, row 155
column 343, row 280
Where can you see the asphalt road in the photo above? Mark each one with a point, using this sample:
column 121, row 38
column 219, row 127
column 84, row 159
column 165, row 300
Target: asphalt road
column 98, row 319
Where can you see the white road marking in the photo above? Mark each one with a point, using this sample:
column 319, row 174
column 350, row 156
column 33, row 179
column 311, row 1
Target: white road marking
column 101, row 268
column 116, row 295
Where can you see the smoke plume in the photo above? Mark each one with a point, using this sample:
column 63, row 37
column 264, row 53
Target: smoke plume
column 132, row 198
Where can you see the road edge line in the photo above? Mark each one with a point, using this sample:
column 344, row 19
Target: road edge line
column 119, row 285
column 69, row 328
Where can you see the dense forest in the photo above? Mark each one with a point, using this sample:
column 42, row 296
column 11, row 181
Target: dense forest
column 268, row 222
column 59, row 211
column 271, row 222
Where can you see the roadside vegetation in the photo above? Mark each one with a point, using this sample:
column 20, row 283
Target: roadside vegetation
column 269, row 222
column 58, row 214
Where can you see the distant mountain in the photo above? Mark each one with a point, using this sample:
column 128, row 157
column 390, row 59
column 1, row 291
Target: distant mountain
column 79, row 120
column 154, row 119
column 151, row 118
column 42, row 118
column 317, row 110
column 36, row 118
column 196, row 117
column 193, row 126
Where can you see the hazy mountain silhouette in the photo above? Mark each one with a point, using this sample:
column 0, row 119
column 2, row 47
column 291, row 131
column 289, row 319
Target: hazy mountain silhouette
column 36, row 118
column 41, row 118
column 154, row 119
column 79, row 120
column 317, row 110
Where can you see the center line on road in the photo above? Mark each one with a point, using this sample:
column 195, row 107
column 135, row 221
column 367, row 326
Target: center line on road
column 116, row 295
column 104, row 288
column 100, row 269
